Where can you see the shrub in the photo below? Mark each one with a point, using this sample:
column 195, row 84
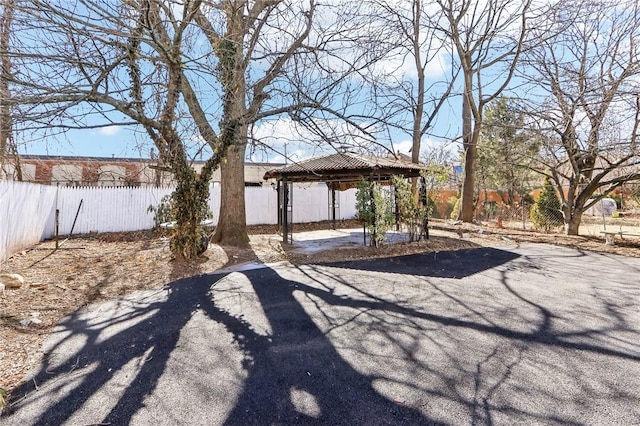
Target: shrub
column 545, row 213
column 374, row 209
column 456, row 209
column 163, row 212
column 617, row 198
column 527, row 199
column 432, row 207
column 411, row 213
column 166, row 212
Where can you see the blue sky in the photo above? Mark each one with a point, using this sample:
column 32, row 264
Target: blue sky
column 132, row 141
column 281, row 134
column 109, row 141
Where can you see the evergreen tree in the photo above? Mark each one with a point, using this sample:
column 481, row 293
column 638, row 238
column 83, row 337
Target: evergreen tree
column 546, row 213
column 505, row 150
column 456, row 209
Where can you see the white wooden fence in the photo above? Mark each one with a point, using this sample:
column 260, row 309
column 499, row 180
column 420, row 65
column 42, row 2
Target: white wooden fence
column 25, row 210
column 28, row 211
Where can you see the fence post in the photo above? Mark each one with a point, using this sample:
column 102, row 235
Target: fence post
column 57, row 229
column 76, row 218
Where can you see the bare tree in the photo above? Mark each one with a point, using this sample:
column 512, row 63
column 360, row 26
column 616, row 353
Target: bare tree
column 418, row 79
column 183, row 71
column 8, row 148
column 584, row 102
column 336, row 72
column 94, row 58
column 488, row 38
column 312, row 75
column 5, row 69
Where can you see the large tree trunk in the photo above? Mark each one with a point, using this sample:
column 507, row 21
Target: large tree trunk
column 470, row 157
column 5, row 70
column 191, row 205
column 232, row 225
column 571, row 211
column 570, row 207
column 572, row 224
column 468, row 185
column 419, row 108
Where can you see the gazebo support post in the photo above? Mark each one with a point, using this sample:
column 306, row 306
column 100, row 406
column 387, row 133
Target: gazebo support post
column 333, row 206
column 279, row 195
column 373, row 208
column 285, row 211
column 425, row 202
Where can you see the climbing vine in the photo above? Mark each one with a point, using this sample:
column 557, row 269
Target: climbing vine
column 411, row 212
column 374, row 209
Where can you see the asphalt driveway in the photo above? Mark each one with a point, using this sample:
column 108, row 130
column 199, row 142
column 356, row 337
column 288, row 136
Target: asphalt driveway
column 530, row 335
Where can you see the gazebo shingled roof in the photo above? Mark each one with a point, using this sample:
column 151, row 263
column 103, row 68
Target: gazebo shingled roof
column 346, row 166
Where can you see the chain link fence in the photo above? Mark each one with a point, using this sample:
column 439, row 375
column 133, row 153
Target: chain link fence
column 516, row 216
column 493, row 211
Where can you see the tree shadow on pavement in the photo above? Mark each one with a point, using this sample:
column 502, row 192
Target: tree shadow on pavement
column 298, row 358
column 108, row 362
column 444, row 264
column 90, row 349
column 295, row 364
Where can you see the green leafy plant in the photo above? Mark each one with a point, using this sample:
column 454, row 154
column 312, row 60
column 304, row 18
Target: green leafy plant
column 412, row 214
column 374, row 210
column 163, row 212
column 545, row 213
column 167, row 211
column 617, row 198
column 432, row 208
column 456, row 209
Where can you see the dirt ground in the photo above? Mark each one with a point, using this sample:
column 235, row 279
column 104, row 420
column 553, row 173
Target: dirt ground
column 91, row 268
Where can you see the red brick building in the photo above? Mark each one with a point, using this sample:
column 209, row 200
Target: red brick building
column 99, row 171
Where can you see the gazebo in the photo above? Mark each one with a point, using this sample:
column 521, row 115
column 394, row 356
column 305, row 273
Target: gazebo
column 339, row 171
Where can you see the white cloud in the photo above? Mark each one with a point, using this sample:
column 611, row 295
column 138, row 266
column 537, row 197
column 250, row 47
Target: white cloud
column 403, row 147
column 405, row 68
column 427, row 146
column 285, row 141
column 109, row 130
column 284, row 137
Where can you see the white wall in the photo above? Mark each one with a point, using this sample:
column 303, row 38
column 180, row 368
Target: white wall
column 348, row 203
column 66, row 172
column 8, row 172
column 27, row 211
